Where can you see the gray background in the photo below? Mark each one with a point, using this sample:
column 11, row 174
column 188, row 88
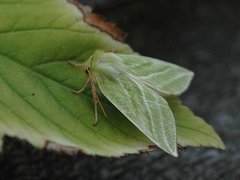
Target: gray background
column 203, row 36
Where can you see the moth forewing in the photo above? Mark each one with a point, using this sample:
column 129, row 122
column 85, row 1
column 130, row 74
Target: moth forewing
column 145, row 108
column 167, row 78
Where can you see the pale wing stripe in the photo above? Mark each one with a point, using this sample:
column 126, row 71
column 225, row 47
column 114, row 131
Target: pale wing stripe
column 127, row 94
column 179, row 76
column 137, row 65
column 154, row 74
column 129, row 112
column 155, row 89
column 159, row 92
column 130, row 101
column 147, row 107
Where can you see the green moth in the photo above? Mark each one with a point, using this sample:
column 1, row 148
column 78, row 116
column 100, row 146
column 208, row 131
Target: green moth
column 137, row 86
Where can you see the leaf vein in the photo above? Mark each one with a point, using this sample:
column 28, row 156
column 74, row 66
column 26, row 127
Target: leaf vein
column 47, row 29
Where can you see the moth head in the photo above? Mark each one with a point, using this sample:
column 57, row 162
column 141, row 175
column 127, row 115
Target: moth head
column 87, row 70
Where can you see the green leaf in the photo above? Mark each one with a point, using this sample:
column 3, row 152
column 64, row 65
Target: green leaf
column 193, row 130
column 167, row 78
column 37, row 37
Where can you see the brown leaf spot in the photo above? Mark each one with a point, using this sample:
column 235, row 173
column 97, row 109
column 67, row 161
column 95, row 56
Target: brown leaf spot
column 52, row 146
column 149, row 149
column 182, row 147
column 99, row 22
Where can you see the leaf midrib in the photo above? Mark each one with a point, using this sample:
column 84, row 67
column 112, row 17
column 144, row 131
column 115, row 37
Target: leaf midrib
column 46, row 29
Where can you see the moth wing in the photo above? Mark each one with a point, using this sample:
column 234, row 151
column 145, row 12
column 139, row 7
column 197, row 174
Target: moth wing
column 144, row 107
column 165, row 77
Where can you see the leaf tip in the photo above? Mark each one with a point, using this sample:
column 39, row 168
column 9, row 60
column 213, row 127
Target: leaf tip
column 223, row 147
column 220, row 144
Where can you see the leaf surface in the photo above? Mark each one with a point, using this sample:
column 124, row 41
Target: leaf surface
column 191, row 129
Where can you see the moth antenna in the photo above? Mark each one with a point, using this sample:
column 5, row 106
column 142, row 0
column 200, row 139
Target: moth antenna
column 76, row 64
column 90, row 58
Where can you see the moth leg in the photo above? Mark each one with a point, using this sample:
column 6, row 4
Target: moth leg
column 84, row 68
column 95, row 102
column 100, row 104
column 90, row 79
column 82, row 89
column 181, row 147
